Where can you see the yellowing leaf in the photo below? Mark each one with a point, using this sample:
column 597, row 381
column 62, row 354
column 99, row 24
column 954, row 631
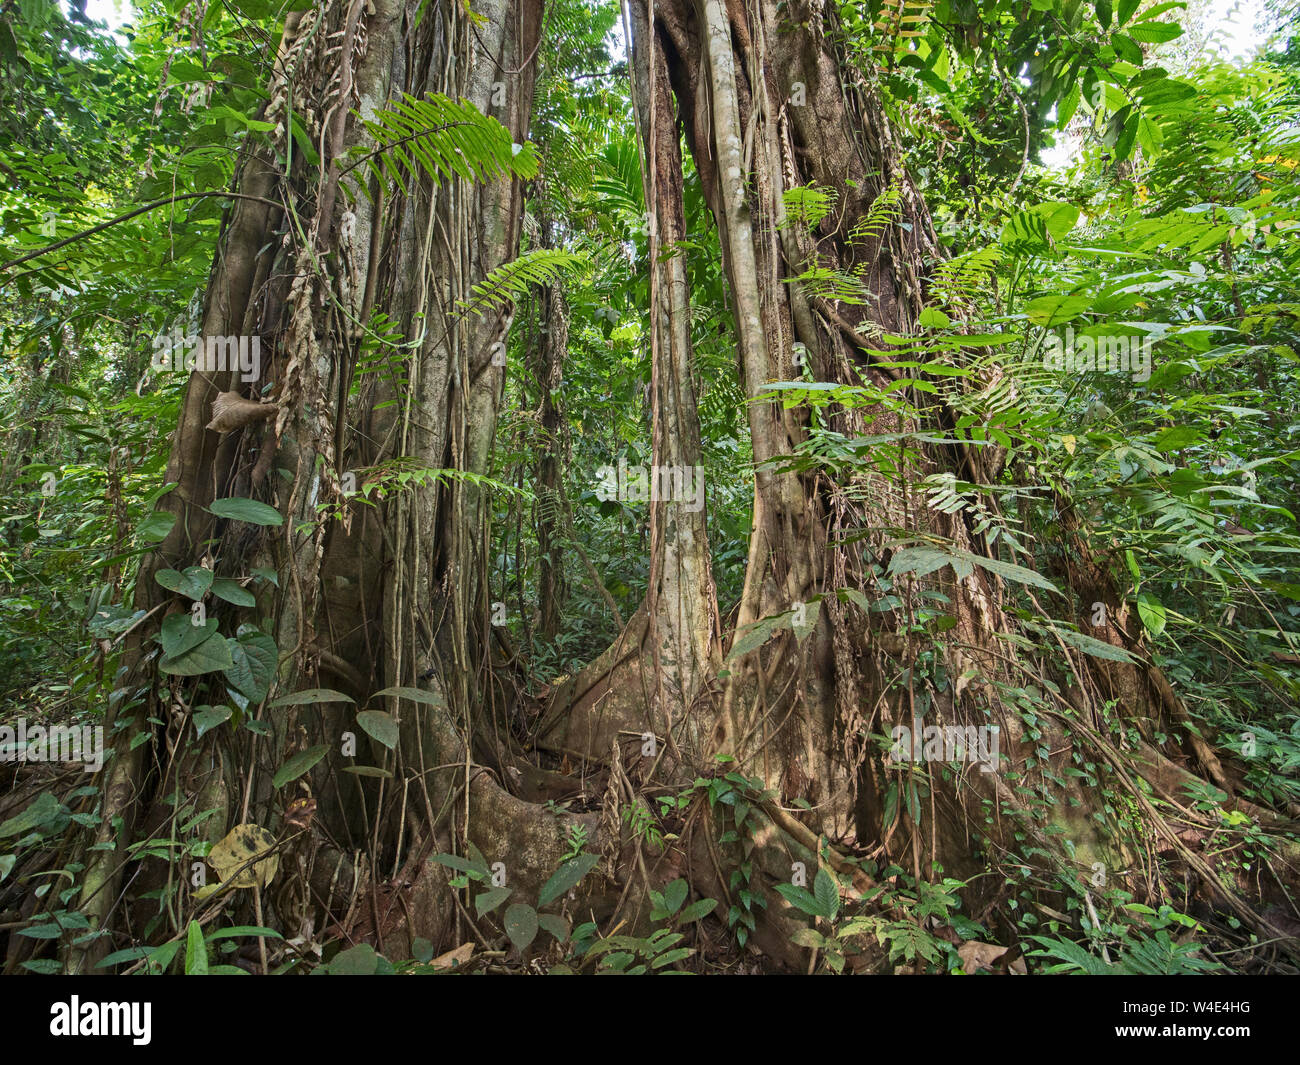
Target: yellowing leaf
column 231, row 857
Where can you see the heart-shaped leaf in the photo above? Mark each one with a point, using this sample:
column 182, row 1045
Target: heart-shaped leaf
column 179, row 633
column 255, row 657
column 211, row 656
column 194, row 582
column 209, row 717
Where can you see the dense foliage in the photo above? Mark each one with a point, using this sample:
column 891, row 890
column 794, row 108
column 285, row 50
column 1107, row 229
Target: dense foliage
column 1166, row 239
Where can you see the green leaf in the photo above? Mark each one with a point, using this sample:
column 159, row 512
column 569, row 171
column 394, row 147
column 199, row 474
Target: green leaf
column 696, row 910
column 243, row 930
column 1092, row 646
column 555, row 924
column 759, row 633
column 42, row 931
column 298, row 765
column 1175, row 437
column 566, row 877
column 416, row 695
column 1010, row 571
column 179, row 633
column 827, row 893
column 802, row 899
column 1054, row 309
column 672, row 956
column 675, row 895
column 254, row 657
column 487, row 901
column 211, row 656
column 312, row 695
column 155, row 527
column 232, row 592
column 1150, row 135
column 521, row 925
column 209, row 717
column 1152, row 613
column 379, row 726
column 476, row 869
column 196, row 951
column 809, row 937
column 922, row 561
column 1154, row 32
column 249, row 510
column 193, row 583
column 42, row 810
column 360, row 960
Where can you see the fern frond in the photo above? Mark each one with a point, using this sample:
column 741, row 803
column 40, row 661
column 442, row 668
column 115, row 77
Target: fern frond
column 808, row 204
column 511, row 281
column 884, row 209
column 437, row 138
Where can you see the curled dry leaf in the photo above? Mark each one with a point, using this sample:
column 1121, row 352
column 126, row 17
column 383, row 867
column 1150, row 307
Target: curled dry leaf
column 300, row 813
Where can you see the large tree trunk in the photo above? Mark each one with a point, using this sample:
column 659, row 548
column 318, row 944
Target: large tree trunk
column 385, row 595
column 767, row 106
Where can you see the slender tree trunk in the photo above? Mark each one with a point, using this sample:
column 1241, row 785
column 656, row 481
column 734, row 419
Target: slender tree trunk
column 650, row 686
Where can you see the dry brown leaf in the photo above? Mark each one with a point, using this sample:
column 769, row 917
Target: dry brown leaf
column 453, row 958
column 975, row 956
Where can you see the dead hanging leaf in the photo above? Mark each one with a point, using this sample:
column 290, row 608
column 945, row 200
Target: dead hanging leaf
column 238, row 849
column 230, row 411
